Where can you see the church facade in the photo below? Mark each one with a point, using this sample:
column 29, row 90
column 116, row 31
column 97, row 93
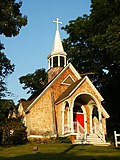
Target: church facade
column 69, row 106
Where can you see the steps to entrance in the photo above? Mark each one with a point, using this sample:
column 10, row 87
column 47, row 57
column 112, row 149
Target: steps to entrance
column 91, row 139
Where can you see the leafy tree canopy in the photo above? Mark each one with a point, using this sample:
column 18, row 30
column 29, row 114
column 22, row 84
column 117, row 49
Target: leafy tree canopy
column 34, row 82
column 93, row 46
column 11, row 21
column 6, row 68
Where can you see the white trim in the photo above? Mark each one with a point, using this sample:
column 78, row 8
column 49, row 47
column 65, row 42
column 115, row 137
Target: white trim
column 63, row 109
column 85, row 118
column 116, row 139
column 104, row 112
column 71, row 116
column 74, row 71
column 100, row 118
column 97, row 105
column 77, row 86
column 71, row 119
column 71, row 92
column 92, row 86
column 95, row 90
column 63, row 82
column 91, row 121
column 39, row 136
column 93, row 97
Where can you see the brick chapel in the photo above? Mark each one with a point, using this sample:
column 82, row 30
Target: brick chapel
column 69, row 106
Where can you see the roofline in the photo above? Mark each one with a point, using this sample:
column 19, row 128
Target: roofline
column 104, row 112
column 56, row 53
column 90, row 83
column 77, row 86
column 71, row 67
column 94, row 88
column 72, row 91
column 74, row 70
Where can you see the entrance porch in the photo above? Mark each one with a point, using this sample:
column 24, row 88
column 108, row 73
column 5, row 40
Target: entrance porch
column 82, row 120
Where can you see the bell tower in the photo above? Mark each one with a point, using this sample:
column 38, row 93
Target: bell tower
column 57, row 58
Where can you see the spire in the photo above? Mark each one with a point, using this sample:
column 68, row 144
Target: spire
column 57, row 58
column 57, row 46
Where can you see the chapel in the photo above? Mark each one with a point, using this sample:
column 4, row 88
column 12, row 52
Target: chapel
column 69, row 105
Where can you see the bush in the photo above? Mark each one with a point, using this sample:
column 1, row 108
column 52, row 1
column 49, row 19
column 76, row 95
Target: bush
column 52, row 140
column 13, row 132
column 63, row 140
column 19, row 137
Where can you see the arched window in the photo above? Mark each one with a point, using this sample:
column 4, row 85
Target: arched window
column 66, row 113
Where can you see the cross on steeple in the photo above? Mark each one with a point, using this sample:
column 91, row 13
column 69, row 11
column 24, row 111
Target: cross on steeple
column 57, row 22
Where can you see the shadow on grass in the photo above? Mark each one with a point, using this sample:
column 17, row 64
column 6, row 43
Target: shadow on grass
column 63, row 155
column 46, row 156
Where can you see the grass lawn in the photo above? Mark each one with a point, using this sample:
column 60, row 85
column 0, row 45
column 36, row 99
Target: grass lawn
column 59, row 152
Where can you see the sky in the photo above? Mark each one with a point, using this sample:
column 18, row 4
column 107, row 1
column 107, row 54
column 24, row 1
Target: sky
column 29, row 50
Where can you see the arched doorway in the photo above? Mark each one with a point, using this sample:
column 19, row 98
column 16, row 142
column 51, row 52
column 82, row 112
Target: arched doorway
column 83, row 105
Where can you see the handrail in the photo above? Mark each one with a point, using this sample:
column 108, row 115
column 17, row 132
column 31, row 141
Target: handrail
column 99, row 132
column 79, row 129
column 67, row 128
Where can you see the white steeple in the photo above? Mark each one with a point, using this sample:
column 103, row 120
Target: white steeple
column 57, row 46
column 57, row 58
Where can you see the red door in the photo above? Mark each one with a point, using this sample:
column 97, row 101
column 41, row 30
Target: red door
column 80, row 118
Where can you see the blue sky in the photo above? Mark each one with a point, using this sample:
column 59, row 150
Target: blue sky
column 29, row 50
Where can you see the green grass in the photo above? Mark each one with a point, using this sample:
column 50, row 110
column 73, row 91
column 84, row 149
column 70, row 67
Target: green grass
column 59, row 152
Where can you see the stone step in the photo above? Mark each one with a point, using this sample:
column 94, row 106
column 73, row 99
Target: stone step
column 91, row 139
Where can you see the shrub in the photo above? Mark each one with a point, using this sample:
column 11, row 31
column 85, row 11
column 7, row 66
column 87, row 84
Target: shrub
column 63, row 140
column 13, row 132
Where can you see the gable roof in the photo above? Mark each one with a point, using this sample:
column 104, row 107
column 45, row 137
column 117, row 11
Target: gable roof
column 26, row 103
column 69, row 90
column 58, row 75
column 72, row 88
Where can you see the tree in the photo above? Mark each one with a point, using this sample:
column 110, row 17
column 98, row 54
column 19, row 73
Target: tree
column 93, row 46
column 13, row 132
column 11, row 21
column 34, row 82
column 5, row 107
column 6, row 68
